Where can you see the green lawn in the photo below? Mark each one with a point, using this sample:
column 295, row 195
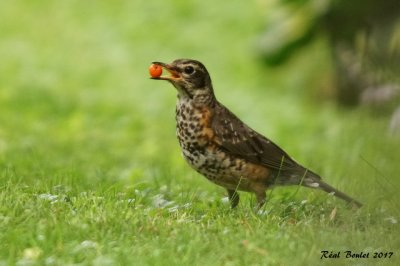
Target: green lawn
column 90, row 169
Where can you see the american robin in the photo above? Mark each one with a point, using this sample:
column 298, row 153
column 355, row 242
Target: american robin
column 217, row 144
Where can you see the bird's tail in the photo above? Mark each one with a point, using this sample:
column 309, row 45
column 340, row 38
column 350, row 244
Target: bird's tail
column 313, row 180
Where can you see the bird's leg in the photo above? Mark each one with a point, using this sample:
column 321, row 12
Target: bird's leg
column 260, row 195
column 233, row 197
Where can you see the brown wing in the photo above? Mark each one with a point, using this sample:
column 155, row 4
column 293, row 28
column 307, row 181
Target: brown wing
column 240, row 140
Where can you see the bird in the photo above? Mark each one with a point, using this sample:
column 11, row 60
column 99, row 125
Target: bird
column 229, row 153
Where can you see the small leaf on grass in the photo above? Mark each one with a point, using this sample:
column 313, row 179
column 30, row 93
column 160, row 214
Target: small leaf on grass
column 332, row 216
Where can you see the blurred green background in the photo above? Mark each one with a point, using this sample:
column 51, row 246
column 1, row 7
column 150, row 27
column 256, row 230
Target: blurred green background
column 84, row 133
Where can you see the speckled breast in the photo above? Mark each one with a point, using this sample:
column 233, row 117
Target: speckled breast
column 194, row 135
column 201, row 151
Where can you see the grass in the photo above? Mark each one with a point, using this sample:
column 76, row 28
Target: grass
column 90, row 169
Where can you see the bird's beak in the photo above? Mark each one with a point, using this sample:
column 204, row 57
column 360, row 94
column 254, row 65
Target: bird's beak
column 174, row 73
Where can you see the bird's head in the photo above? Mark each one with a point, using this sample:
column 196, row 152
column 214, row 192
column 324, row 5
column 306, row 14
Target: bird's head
column 190, row 78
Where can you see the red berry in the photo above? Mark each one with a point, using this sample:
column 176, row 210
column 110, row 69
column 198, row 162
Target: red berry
column 155, row 71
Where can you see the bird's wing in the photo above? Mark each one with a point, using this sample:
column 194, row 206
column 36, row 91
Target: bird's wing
column 232, row 135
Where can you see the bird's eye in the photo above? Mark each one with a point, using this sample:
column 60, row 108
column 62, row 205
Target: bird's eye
column 188, row 70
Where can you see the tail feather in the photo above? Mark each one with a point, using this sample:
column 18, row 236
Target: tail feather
column 314, row 181
column 329, row 189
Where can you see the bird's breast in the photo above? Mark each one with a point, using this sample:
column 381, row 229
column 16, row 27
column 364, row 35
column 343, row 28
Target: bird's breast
column 193, row 125
column 194, row 133
column 201, row 150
